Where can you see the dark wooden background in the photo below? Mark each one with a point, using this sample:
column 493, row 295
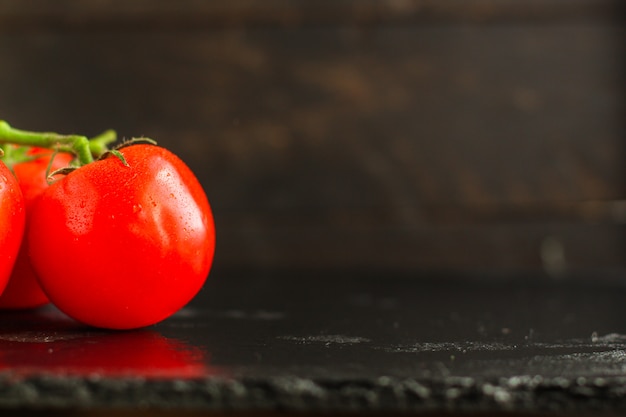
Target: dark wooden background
column 392, row 134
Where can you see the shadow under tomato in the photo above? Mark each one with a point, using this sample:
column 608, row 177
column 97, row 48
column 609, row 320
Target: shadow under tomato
column 47, row 343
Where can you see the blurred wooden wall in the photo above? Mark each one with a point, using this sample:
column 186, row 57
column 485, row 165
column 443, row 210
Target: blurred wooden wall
column 401, row 134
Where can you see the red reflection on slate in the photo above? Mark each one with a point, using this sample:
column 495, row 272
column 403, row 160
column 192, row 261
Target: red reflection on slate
column 63, row 348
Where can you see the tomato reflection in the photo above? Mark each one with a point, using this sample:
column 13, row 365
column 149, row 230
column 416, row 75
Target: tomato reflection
column 62, row 347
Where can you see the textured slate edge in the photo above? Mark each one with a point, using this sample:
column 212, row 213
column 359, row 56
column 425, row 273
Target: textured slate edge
column 523, row 393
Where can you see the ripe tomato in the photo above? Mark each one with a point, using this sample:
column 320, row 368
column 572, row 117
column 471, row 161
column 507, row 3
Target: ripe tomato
column 123, row 246
column 23, row 290
column 12, row 215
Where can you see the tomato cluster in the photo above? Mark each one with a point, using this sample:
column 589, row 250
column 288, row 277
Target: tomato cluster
column 122, row 242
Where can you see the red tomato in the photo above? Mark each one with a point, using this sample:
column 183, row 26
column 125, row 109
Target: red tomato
column 123, row 247
column 23, row 290
column 12, row 215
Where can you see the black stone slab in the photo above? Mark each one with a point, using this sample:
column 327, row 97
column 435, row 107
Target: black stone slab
column 336, row 341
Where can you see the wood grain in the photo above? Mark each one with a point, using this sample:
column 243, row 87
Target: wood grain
column 181, row 15
column 398, row 133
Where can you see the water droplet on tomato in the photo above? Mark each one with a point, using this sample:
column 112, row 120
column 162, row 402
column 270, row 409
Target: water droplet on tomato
column 137, row 208
column 171, row 195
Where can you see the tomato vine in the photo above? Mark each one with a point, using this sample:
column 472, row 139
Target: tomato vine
column 136, row 196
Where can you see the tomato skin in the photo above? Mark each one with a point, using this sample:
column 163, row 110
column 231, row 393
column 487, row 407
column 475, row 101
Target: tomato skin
column 23, row 290
column 123, row 247
column 12, row 218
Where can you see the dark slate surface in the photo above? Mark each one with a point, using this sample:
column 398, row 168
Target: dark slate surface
column 336, row 341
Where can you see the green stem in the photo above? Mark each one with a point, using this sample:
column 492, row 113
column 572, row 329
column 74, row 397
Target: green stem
column 79, row 145
column 98, row 144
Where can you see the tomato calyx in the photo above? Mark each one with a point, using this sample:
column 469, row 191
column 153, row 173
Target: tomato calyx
column 135, row 141
column 115, row 152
